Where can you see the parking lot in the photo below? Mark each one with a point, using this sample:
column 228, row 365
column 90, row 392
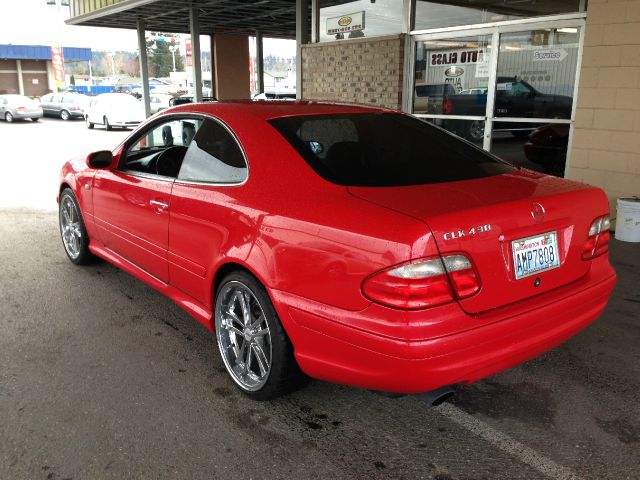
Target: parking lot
column 102, row 377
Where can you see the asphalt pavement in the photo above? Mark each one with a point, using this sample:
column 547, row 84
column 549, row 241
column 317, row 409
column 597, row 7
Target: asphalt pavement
column 101, row 377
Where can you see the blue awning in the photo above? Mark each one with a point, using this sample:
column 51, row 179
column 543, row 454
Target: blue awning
column 42, row 52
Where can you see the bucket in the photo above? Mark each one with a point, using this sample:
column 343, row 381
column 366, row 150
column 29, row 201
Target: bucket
column 628, row 219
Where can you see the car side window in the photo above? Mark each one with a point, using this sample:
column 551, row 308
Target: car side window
column 214, row 156
column 161, row 149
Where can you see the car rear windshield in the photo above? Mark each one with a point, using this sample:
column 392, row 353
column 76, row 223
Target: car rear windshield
column 385, row 150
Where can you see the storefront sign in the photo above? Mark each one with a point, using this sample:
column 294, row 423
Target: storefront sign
column 57, row 62
column 550, row 55
column 457, row 57
column 345, row 23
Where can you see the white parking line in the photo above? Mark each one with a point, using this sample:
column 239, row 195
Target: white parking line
column 507, row 444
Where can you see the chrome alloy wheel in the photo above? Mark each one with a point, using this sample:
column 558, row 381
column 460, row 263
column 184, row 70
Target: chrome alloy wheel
column 70, row 227
column 243, row 335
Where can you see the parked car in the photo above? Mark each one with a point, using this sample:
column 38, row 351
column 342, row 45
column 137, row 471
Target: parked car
column 357, row 245
column 430, row 98
column 159, row 101
column 114, row 110
column 19, row 107
column 474, row 91
column 64, row 105
column 514, row 98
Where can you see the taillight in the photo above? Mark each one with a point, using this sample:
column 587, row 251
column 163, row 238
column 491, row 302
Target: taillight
column 21, row 109
column 447, row 106
column 423, row 283
column 598, row 238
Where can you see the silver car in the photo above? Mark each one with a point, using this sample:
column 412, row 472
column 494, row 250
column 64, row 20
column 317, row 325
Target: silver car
column 19, row 107
column 64, row 105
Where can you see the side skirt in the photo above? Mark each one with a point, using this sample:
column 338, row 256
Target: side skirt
column 184, row 301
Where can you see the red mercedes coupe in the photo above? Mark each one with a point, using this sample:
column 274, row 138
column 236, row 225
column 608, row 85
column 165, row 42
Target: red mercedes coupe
column 355, row 245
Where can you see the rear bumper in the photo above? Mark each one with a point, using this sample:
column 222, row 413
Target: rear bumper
column 334, row 351
column 26, row 115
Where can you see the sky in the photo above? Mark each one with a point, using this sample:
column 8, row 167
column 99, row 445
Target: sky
column 33, row 22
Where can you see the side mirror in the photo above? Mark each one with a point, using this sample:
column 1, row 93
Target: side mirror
column 101, row 159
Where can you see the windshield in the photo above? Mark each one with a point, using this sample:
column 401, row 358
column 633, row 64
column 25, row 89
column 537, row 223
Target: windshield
column 385, row 150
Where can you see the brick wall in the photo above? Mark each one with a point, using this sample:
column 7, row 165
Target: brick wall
column 360, row 70
column 606, row 143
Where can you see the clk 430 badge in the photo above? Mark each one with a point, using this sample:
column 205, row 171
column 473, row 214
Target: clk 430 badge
column 457, row 234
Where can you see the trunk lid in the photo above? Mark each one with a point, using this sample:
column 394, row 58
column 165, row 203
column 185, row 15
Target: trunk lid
column 482, row 218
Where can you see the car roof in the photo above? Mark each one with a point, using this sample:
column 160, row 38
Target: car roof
column 268, row 109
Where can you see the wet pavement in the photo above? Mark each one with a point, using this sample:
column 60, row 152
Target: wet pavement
column 102, row 377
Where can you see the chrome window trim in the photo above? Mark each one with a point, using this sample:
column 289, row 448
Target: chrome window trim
column 167, row 117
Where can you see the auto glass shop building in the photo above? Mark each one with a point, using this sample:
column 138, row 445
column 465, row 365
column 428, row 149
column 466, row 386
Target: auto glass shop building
column 553, row 85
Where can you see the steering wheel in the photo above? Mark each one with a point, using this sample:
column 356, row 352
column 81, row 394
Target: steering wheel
column 168, row 162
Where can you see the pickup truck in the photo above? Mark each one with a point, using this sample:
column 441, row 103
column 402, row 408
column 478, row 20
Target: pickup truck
column 514, row 98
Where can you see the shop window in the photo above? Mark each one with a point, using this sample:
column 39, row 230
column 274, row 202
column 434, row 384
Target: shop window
column 340, row 20
column 450, row 13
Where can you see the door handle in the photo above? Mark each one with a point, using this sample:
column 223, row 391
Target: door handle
column 159, row 206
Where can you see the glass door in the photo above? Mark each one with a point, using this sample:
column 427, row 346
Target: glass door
column 452, row 81
column 509, row 88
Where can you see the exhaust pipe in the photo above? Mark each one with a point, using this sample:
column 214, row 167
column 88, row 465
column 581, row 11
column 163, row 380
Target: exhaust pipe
column 439, row 395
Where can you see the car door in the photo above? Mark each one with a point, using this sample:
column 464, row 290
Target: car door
column 45, row 102
column 205, row 219
column 132, row 201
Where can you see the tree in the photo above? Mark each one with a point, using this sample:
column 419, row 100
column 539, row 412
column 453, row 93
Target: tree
column 161, row 57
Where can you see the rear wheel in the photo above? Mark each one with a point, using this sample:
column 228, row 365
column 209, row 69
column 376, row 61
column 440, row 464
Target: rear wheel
column 254, row 347
column 87, row 122
column 8, row 117
column 107, row 125
column 72, row 229
column 65, row 115
column 475, row 131
column 35, row 119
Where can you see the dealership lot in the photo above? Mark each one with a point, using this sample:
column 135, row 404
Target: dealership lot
column 102, row 377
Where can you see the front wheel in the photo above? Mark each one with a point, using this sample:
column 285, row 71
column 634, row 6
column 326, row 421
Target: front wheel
column 254, row 347
column 107, row 125
column 8, row 117
column 72, row 230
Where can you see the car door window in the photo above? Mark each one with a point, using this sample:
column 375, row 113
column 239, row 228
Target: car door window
column 160, row 150
column 214, row 156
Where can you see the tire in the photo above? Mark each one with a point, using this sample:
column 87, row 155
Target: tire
column 72, row 230
column 35, row 119
column 65, row 115
column 261, row 365
column 107, row 125
column 88, row 123
column 475, row 131
column 8, row 117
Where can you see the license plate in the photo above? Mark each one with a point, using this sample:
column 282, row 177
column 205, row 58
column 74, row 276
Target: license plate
column 535, row 254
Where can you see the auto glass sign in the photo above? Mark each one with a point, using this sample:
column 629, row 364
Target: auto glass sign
column 457, row 57
column 345, row 23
